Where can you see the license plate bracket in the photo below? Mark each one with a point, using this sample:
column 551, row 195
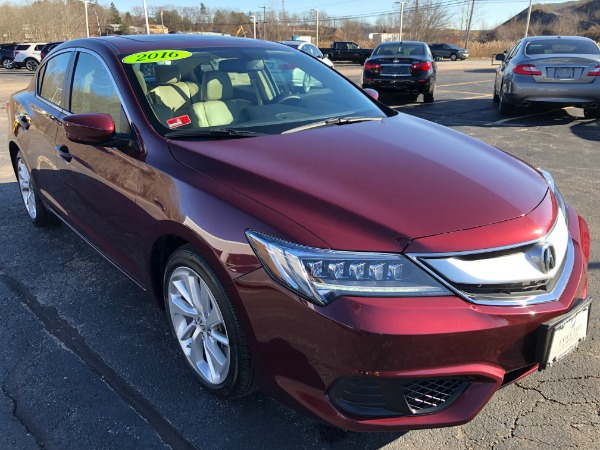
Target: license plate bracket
column 560, row 336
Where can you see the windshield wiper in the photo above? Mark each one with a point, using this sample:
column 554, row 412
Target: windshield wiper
column 217, row 133
column 336, row 121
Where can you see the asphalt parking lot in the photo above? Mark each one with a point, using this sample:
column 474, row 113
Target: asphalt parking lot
column 88, row 361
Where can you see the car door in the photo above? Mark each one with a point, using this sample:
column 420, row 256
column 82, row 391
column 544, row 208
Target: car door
column 40, row 120
column 99, row 183
column 502, row 69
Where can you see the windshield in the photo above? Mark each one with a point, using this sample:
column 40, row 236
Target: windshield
column 562, row 47
column 254, row 90
column 404, row 49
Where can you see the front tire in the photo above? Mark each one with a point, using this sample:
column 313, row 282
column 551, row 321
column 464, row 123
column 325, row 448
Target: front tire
column 206, row 326
column 38, row 213
column 453, row 57
column 31, row 65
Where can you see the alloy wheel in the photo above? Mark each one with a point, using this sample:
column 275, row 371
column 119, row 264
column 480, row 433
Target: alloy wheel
column 26, row 190
column 7, row 63
column 31, row 65
column 199, row 326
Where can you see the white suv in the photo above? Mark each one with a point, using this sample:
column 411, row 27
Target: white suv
column 28, row 55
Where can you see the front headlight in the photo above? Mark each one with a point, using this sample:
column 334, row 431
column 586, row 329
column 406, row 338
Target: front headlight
column 562, row 204
column 323, row 275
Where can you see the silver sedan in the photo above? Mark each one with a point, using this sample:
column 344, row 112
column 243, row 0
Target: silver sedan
column 552, row 70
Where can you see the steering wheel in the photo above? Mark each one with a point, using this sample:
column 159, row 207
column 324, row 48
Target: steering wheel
column 287, row 98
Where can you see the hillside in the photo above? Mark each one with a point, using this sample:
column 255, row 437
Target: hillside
column 576, row 17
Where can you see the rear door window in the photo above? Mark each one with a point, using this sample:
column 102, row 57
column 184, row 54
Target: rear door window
column 52, row 79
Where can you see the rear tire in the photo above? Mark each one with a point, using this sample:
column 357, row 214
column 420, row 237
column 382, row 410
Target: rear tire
column 7, row 63
column 496, row 97
column 428, row 97
column 206, row 326
column 38, row 213
column 504, row 108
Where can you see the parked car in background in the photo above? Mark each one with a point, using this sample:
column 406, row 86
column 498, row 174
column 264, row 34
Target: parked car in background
column 376, row 270
column 346, row 51
column 48, row 48
column 555, row 71
column 28, row 55
column 451, row 51
column 309, row 49
column 7, row 55
column 405, row 67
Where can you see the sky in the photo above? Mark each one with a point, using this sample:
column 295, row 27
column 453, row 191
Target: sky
column 488, row 13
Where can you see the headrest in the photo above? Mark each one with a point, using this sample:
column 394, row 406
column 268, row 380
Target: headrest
column 167, row 74
column 216, row 86
column 140, row 78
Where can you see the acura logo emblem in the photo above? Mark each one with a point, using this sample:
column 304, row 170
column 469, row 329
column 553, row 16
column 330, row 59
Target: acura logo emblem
column 548, row 261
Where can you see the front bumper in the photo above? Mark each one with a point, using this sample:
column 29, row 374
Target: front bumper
column 397, row 352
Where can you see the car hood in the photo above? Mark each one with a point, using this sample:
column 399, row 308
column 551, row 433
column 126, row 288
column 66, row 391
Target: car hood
column 372, row 185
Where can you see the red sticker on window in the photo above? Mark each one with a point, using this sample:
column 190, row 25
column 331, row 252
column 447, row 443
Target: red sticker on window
column 179, row 121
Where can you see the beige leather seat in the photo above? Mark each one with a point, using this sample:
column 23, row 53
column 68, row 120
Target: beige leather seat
column 172, row 97
column 218, row 107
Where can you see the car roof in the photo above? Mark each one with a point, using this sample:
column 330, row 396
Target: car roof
column 145, row 42
column 294, row 42
column 557, row 37
column 401, row 42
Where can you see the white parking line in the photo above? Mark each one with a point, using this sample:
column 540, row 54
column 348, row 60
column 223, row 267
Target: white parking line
column 477, row 94
column 458, row 84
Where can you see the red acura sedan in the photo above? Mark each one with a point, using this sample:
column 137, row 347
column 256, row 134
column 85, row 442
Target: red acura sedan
column 375, row 270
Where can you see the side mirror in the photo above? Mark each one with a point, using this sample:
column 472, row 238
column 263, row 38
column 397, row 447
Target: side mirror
column 372, row 93
column 500, row 57
column 89, row 128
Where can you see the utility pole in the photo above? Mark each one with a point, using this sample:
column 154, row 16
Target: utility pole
column 317, row 11
column 146, row 16
column 528, row 17
column 87, row 26
column 402, row 16
column 264, row 8
column 469, row 24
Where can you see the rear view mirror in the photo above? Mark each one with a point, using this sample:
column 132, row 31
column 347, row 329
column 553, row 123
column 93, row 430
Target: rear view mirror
column 372, row 93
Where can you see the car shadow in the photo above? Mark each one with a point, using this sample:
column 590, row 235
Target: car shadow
column 132, row 337
column 482, row 112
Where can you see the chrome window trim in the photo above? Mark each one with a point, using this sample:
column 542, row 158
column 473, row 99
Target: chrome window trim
column 490, row 300
column 38, row 94
column 112, row 79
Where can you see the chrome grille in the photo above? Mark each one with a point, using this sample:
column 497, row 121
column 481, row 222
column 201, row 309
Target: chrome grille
column 529, row 273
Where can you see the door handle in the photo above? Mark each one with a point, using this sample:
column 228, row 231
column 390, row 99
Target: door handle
column 64, row 153
column 56, row 120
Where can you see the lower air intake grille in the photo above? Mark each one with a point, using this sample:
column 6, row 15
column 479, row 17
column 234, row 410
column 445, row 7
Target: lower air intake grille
column 376, row 397
column 431, row 393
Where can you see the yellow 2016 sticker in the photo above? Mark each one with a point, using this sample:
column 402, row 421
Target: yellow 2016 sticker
column 155, row 56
